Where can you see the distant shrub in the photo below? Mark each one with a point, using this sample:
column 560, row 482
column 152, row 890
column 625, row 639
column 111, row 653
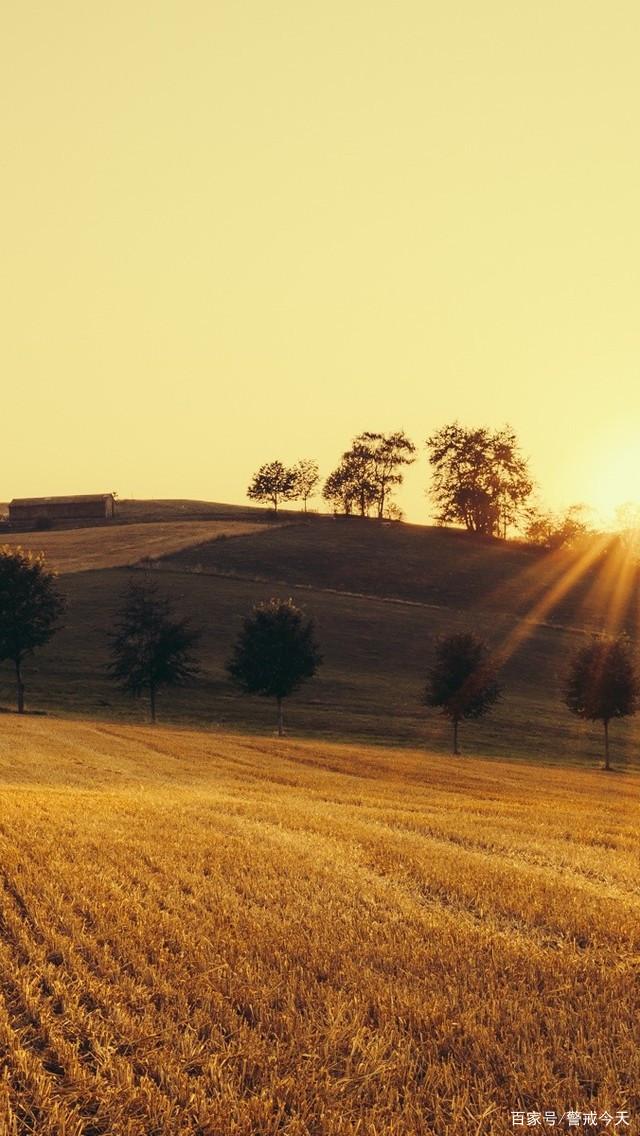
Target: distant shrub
column 556, row 530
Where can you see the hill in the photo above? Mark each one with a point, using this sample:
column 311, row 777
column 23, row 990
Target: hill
column 131, row 511
column 419, row 563
column 380, row 594
column 208, row 935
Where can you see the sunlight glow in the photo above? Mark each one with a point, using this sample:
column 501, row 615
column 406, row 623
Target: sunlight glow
column 613, row 480
column 575, row 570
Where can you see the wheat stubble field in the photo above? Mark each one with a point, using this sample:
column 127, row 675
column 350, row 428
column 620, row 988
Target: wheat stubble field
column 213, row 935
column 78, row 550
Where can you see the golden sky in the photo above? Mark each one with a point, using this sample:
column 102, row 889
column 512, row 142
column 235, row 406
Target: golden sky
column 234, row 230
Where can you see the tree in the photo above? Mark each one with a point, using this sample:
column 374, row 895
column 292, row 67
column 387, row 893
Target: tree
column 275, row 652
column 368, row 472
column 480, row 478
column 30, row 608
column 602, row 683
column 150, row 647
column 556, row 530
column 350, row 487
column 273, row 483
column 307, row 473
column 338, row 490
column 461, row 681
column 386, row 454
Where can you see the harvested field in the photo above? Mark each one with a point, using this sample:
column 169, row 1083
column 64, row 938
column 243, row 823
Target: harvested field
column 224, row 937
column 113, row 546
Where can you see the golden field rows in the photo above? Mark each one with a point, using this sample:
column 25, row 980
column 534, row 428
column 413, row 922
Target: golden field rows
column 206, row 934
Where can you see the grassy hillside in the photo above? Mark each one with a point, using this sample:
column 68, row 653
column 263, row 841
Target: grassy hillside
column 436, row 566
column 369, row 687
column 131, row 511
column 212, row 935
column 379, row 594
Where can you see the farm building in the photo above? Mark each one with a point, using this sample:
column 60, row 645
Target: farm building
column 31, row 510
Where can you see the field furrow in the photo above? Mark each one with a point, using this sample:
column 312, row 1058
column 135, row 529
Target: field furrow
column 209, row 936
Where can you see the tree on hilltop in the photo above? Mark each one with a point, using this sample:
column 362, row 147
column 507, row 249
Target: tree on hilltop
column 369, row 472
column 272, row 484
column 30, row 608
column 480, row 478
column 307, row 474
column 461, row 681
column 602, row 683
column 350, row 488
column 387, row 453
column 275, row 652
column 151, row 648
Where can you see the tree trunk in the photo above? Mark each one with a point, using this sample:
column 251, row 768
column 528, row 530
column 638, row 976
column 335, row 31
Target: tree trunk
column 152, row 703
column 280, row 718
column 455, row 736
column 19, row 688
column 606, row 744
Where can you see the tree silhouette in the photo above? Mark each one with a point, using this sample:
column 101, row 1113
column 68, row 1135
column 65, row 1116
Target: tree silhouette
column 275, row 652
column 602, row 683
column 30, row 608
column 461, row 681
column 340, row 489
column 387, row 453
column 150, row 647
column 480, row 479
column 351, row 486
column 307, row 474
column 272, row 484
column 368, row 472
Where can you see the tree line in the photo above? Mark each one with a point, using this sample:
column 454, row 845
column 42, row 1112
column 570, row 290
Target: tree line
column 480, row 481
column 152, row 648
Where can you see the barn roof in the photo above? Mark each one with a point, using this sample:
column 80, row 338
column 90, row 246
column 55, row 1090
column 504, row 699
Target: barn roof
column 81, row 498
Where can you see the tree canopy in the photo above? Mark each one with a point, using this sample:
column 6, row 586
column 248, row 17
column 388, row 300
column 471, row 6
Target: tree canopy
column 369, row 472
column 151, row 648
column 275, row 652
column 461, row 682
column 602, row 683
column 307, row 475
column 350, row 487
column 30, row 608
column 273, row 483
column 480, row 478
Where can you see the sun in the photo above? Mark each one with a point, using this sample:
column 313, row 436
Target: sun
column 613, row 489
